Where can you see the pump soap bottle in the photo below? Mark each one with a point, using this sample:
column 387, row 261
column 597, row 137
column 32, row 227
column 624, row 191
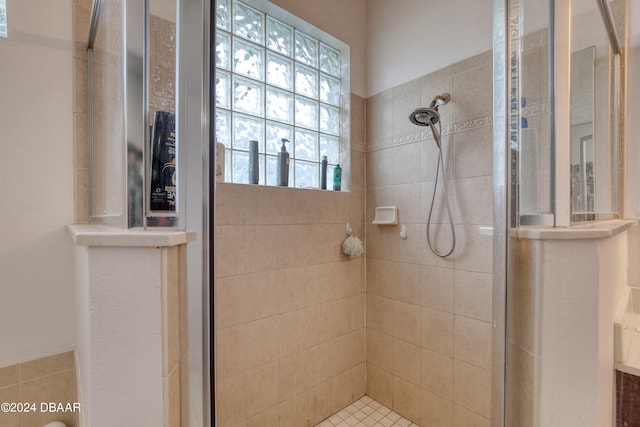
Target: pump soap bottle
column 283, row 165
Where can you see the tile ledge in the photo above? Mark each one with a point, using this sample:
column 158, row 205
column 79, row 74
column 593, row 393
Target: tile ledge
column 631, row 365
column 591, row 230
column 101, row 235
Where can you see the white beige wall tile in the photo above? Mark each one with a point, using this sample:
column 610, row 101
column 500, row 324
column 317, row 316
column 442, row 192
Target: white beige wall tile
column 441, row 239
column 58, row 387
column 436, row 410
column 379, row 113
column 380, row 385
column 407, row 360
column 172, row 407
column 439, row 214
column 380, row 350
column 341, row 390
column 473, row 294
column 475, row 90
column 473, row 204
column 453, row 294
column 380, row 314
column 406, row 398
column 10, row 394
column 437, row 331
column 262, row 388
column 407, row 322
column 437, row 374
column 437, row 83
column 438, row 285
column 430, row 154
column 463, row 417
column 406, row 98
column 46, row 366
column 474, row 252
column 470, row 385
column 472, row 342
column 9, row 375
column 474, row 153
column 231, row 400
column 358, row 382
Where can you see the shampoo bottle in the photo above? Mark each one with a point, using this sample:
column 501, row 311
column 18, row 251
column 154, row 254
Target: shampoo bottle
column 163, row 162
column 283, row 165
column 323, row 177
column 337, row 178
column 254, row 172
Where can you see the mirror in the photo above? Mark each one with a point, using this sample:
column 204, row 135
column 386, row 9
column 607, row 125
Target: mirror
column 595, row 74
column 582, row 147
column 162, row 149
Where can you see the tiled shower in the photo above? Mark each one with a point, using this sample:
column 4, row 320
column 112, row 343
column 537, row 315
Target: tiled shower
column 302, row 330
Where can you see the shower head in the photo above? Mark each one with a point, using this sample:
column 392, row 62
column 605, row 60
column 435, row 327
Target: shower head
column 425, row 116
column 440, row 100
column 429, row 116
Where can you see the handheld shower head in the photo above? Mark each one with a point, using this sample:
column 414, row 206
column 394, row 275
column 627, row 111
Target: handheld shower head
column 429, row 116
column 440, row 100
column 425, row 116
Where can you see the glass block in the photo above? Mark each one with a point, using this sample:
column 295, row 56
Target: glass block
column 272, row 170
column 246, row 128
column 306, row 113
column 223, row 50
column 240, row 167
column 223, row 89
column 248, row 22
column 329, row 119
column 306, row 49
column 306, row 174
column 329, row 90
column 279, row 71
column 279, row 105
column 279, row 36
column 223, row 14
column 275, row 132
column 248, row 96
column 223, row 127
column 330, row 147
column 306, row 81
column 248, row 59
column 329, row 60
column 306, row 145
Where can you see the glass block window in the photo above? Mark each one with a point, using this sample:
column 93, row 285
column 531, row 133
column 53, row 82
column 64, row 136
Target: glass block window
column 275, row 80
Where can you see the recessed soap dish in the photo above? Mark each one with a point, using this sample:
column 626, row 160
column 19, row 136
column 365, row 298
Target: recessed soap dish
column 386, row 215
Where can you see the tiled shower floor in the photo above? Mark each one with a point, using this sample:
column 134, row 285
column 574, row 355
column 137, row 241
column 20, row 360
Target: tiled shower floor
column 366, row 412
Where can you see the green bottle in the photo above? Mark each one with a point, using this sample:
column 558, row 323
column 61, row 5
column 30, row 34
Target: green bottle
column 337, row 178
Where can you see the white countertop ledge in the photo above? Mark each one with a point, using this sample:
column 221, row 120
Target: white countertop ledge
column 589, row 230
column 632, row 364
column 102, row 235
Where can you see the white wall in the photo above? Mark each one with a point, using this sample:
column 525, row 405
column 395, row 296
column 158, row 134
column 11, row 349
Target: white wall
column 581, row 285
column 36, row 171
column 409, row 38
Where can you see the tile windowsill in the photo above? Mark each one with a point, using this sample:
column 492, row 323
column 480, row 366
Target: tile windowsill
column 105, row 236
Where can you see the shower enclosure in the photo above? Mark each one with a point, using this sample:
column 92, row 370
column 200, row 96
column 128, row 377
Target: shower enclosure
column 285, row 329
column 557, row 158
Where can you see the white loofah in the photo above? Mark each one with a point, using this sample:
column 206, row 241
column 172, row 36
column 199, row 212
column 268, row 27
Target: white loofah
column 353, row 246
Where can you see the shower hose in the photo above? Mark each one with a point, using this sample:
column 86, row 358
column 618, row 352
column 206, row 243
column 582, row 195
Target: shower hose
column 440, row 163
